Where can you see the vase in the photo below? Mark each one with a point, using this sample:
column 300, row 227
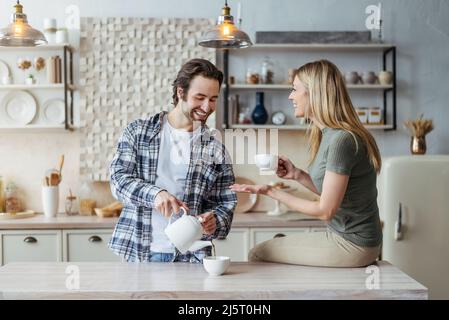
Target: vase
column 418, row 145
column 260, row 114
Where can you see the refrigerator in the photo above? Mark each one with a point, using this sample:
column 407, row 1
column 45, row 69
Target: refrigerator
column 414, row 207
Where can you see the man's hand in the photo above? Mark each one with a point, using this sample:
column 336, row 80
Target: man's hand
column 209, row 222
column 166, row 204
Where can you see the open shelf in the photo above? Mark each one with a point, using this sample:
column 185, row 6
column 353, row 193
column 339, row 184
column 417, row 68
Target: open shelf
column 35, row 128
column 323, row 46
column 45, row 47
column 244, row 86
column 386, row 52
column 32, row 86
column 298, row 126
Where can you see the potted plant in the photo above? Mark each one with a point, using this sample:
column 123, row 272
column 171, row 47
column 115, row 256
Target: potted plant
column 418, row 129
column 30, row 79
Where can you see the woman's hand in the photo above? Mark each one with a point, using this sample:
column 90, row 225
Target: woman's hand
column 250, row 188
column 286, row 169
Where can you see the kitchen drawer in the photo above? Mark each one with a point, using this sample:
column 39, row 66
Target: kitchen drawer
column 30, row 245
column 235, row 246
column 318, row 229
column 259, row 235
column 87, row 245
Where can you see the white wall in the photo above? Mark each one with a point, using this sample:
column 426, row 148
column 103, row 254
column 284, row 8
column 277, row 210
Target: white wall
column 419, row 29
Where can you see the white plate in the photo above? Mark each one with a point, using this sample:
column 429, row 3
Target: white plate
column 54, row 111
column 18, row 108
column 4, row 70
column 245, row 201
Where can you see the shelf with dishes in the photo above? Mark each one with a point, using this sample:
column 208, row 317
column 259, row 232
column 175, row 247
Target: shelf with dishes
column 266, row 66
column 39, row 94
column 299, row 126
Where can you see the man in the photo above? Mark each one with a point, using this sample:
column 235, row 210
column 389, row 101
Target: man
column 170, row 161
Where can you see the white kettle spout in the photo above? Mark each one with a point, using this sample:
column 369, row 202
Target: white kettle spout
column 197, row 245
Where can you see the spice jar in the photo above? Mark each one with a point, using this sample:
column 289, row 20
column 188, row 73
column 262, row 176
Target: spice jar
column 266, row 72
column 252, row 77
column 70, row 204
column 12, row 203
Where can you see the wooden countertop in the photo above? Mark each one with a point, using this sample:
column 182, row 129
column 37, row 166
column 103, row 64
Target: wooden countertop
column 115, row 280
column 62, row 221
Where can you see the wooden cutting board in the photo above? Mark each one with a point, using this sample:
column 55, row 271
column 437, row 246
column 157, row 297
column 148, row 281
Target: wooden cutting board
column 18, row 215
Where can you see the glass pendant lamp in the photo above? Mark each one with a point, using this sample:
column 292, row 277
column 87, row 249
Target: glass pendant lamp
column 19, row 33
column 225, row 35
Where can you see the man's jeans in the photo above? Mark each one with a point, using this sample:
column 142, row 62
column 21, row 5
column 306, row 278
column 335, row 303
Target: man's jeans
column 173, row 257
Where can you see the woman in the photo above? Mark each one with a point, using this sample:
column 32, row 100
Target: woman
column 344, row 163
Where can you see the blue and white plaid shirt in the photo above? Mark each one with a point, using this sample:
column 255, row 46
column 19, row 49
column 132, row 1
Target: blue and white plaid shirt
column 133, row 174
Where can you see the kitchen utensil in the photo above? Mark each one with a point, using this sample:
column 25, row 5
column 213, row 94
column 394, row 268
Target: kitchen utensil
column 245, row 201
column 185, row 233
column 53, row 111
column 17, row 215
column 216, row 265
column 50, row 200
column 18, row 107
column 61, row 163
column 54, row 179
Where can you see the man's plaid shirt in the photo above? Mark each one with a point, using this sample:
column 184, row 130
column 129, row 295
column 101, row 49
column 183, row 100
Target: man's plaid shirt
column 133, row 174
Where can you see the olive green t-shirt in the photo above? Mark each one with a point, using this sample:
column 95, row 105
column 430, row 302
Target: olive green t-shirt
column 357, row 219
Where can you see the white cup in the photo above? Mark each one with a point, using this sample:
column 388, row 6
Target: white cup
column 216, row 265
column 62, row 36
column 267, row 163
column 50, row 200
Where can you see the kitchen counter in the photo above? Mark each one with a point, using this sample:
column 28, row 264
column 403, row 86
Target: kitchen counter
column 62, row 221
column 115, row 280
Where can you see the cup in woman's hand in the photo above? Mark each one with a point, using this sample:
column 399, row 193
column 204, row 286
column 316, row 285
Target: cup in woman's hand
column 267, row 163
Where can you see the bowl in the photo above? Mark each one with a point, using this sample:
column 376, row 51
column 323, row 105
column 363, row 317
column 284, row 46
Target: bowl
column 216, row 265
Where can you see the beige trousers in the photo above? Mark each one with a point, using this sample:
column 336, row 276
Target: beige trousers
column 321, row 249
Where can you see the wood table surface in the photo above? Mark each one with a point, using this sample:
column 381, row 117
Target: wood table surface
column 115, row 280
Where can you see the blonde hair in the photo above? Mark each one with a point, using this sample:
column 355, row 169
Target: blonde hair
column 331, row 106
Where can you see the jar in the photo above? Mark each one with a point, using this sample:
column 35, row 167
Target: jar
column 87, row 203
column 363, row 114
column 266, row 72
column 12, row 202
column 50, row 30
column 70, row 204
column 252, row 77
column 374, row 115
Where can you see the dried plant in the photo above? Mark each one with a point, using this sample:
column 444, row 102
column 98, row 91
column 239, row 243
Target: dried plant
column 419, row 127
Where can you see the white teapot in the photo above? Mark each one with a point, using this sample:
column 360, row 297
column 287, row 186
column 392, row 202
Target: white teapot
column 186, row 232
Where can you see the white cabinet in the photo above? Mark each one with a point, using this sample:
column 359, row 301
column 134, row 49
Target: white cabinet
column 235, row 246
column 77, row 245
column 87, row 245
column 259, row 235
column 30, row 245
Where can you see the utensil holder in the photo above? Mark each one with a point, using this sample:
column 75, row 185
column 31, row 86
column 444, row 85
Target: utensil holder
column 50, row 200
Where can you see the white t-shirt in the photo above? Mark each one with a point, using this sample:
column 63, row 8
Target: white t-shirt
column 172, row 166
